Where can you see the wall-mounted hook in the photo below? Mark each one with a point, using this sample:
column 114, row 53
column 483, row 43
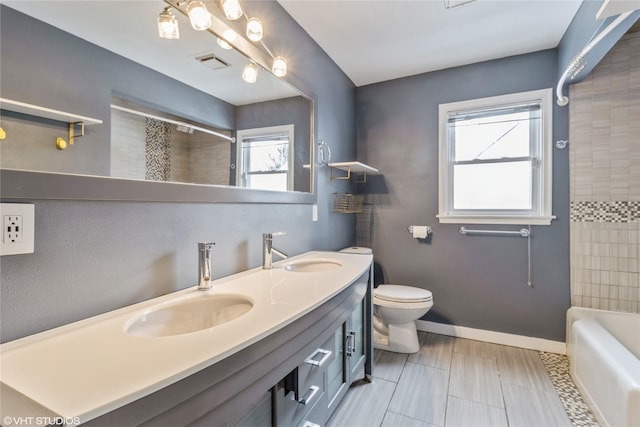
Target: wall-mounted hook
column 61, row 144
column 324, row 153
column 562, row 144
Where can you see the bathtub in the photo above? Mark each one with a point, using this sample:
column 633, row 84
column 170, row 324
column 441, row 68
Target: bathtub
column 604, row 356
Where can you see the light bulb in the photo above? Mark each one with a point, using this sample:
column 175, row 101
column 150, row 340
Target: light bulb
column 250, row 73
column 229, row 36
column 231, row 9
column 168, row 25
column 254, row 29
column 279, row 67
column 198, row 15
column 223, row 44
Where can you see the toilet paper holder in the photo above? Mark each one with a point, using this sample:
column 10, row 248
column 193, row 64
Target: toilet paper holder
column 410, row 229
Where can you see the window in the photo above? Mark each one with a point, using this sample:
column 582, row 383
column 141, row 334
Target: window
column 496, row 160
column 264, row 158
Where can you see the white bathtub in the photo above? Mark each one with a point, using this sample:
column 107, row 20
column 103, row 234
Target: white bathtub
column 604, row 355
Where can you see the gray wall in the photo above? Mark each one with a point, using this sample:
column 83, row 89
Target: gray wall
column 480, row 281
column 92, row 257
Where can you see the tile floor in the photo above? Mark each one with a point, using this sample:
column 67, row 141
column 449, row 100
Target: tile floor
column 454, row 382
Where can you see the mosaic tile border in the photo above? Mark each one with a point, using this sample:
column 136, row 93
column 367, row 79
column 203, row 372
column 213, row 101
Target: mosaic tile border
column 557, row 365
column 618, row 211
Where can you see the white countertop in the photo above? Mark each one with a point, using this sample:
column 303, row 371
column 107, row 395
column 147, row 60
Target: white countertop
column 88, row 368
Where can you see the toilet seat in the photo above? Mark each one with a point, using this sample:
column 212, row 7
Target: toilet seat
column 402, row 294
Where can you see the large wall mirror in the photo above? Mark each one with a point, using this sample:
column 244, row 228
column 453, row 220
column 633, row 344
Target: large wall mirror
column 221, row 139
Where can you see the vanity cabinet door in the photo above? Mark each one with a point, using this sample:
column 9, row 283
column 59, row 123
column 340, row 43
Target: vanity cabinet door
column 337, row 374
column 260, row 416
column 355, row 343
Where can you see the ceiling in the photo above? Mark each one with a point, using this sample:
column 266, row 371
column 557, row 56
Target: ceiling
column 373, row 41
column 370, row 40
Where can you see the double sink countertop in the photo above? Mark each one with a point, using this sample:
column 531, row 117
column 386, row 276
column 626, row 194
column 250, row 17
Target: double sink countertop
column 85, row 369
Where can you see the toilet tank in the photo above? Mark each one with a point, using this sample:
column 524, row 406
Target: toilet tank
column 357, row 250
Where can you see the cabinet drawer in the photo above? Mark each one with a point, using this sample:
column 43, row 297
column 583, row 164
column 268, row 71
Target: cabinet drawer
column 316, row 417
column 291, row 412
column 310, row 372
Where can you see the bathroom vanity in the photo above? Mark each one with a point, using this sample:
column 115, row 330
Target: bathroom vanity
column 302, row 336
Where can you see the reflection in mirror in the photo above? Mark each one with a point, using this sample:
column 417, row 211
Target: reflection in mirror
column 264, row 155
column 157, row 147
column 124, row 146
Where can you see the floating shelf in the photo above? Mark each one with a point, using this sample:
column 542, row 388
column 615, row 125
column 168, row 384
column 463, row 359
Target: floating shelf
column 352, row 168
column 47, row 113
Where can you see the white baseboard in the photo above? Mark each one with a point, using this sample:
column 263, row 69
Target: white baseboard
column 502, row 338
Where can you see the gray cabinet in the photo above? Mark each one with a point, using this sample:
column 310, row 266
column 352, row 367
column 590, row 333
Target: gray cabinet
column 356, row 343
column 301, row 397
column 324, row 379
column 260, row 415
column 351, row 343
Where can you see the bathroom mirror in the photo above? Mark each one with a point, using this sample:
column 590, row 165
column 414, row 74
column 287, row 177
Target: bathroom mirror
column 197, row 60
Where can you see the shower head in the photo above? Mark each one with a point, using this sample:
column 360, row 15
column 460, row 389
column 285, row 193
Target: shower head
column 576, row 66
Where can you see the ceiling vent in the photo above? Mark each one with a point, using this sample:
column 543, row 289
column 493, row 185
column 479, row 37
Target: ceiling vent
column 212, row 61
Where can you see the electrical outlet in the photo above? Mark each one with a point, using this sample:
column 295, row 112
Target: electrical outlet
column 18, row 232
column 12, row 229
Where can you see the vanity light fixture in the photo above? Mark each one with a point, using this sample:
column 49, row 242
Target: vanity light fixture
column 168, row 25
column 199, row 16
column 250, row 73
column 254, row 29
column 232, row 9
column 201, row 19
column 279, row 67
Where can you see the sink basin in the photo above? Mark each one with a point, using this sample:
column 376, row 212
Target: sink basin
column 312, row 265
column 189, row 314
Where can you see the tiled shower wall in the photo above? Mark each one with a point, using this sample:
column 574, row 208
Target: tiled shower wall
column 605, row 182
column 199, row 157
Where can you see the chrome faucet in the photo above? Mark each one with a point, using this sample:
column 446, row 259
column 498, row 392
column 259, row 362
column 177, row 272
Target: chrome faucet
column 268, row 250
column 205, row 275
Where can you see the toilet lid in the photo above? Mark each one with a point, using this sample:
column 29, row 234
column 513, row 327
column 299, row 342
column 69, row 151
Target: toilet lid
column 399, row 293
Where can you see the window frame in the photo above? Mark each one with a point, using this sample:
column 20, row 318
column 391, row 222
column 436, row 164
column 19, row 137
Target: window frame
column 265, row 131
column 541, row 154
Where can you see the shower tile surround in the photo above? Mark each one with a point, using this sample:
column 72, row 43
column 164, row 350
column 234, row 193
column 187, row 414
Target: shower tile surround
column 605, row 182
column 197, row 157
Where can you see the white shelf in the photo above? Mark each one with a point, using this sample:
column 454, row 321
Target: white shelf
column 47, row 113
column 616, row 7
column 352, row 168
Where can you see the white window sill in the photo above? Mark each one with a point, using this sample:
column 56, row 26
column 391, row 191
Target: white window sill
column 508, row 220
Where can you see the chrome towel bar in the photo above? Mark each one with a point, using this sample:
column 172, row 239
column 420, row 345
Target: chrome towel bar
column 523, row 232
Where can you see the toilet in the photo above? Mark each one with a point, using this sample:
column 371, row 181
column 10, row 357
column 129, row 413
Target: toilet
column 396, row 309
